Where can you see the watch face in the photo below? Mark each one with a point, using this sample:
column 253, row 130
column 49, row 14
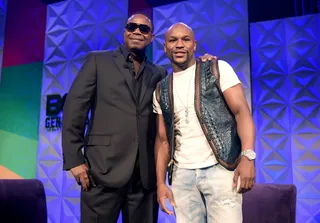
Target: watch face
column 251, row 154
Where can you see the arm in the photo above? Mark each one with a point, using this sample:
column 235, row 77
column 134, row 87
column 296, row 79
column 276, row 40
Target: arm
column 161, row 151
column 233, row 93
column 75, row 111
column 237, row 103
column 161, row 155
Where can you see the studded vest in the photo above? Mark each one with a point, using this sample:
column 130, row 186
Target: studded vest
column 217, row 121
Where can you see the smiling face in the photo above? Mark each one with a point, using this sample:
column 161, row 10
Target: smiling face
column 138, row 33
column 180, row 46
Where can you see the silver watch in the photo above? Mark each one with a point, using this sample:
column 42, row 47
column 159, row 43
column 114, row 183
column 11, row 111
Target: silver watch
column 249, row 153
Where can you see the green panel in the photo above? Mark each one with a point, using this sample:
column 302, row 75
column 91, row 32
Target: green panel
column 20, row 95
column 18, row 154
column 20, row 92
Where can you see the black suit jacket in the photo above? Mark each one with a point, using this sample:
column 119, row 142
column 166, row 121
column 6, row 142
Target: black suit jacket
column 119, row 124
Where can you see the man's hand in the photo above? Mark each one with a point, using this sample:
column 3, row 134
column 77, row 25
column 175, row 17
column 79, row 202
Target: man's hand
column 165, row 193
column 80, row 173
column 246, row 172
column 206, row 57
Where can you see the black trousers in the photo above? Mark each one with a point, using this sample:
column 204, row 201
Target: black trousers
column 103, row 205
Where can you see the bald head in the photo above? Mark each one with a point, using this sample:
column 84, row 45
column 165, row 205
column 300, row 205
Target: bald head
column 180, row 46
column 180, row 26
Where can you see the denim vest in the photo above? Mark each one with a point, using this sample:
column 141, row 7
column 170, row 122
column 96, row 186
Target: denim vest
column 217, row 121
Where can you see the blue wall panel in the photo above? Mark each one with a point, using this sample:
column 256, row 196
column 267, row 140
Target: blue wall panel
column 286, row 107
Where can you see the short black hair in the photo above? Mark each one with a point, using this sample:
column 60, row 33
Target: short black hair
column 144, row 14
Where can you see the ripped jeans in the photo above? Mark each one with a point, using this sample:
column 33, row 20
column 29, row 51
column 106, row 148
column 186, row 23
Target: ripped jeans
column 206, row 195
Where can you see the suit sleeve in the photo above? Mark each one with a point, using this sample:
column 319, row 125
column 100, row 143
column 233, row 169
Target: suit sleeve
column 75, row 111
column 164, row 73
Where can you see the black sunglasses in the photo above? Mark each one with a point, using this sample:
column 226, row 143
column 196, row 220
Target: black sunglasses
column 144, row 29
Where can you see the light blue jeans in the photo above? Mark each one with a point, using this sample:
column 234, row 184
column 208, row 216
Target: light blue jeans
column 206, row 195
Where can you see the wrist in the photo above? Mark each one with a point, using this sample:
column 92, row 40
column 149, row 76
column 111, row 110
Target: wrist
column 249, row 154
column 161, row 184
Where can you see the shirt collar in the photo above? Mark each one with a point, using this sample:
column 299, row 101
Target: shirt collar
column 126, row 53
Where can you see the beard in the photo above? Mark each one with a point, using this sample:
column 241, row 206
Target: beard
column 182, row 64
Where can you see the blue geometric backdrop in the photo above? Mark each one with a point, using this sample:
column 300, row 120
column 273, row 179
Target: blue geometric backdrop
column 286, row 107
column 73, row 29
column 3, row 10
column 221, row 28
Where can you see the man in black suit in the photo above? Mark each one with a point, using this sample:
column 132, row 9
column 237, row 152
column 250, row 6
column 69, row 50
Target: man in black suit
column 116, row 86
column 117, row 169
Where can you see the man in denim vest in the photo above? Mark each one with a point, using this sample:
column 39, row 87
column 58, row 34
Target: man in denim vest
column 205, row 135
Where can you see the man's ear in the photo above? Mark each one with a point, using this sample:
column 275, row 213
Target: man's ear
column 164, row 47
column 152, row 37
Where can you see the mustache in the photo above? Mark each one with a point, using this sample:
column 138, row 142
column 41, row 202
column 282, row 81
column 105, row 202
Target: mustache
column 179, row 51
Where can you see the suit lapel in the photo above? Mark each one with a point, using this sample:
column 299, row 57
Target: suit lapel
column 121, row 63
column 146, row 77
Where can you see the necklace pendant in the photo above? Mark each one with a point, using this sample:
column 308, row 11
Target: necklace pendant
column 187, row 115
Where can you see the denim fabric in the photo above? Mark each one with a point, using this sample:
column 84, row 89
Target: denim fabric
column 206, row 195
